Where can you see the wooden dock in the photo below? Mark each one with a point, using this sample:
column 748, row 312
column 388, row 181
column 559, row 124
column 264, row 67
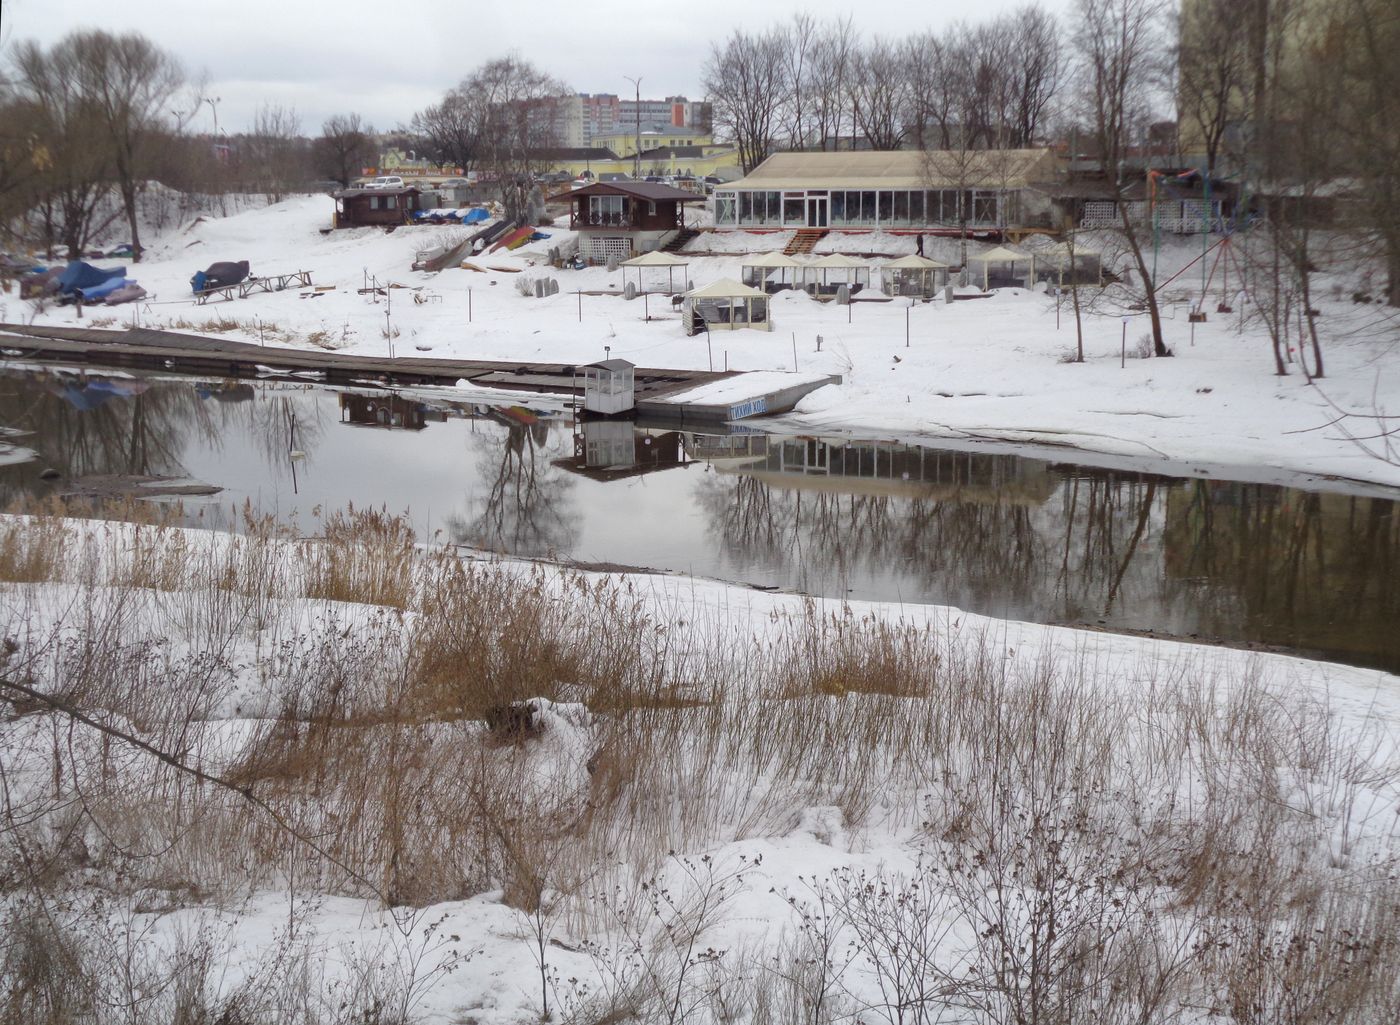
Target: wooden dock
column 143, row 348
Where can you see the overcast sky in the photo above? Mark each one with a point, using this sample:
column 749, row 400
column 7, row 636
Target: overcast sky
column 386, row 59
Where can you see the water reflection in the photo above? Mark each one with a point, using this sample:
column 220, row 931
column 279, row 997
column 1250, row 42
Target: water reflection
column 994, row 533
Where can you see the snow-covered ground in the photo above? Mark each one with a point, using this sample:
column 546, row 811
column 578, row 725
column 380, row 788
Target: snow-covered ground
column 810, row 831
column 993, row 369
column 814, row 810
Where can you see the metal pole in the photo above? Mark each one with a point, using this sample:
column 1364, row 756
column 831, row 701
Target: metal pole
column 906, row 323
column 1123, row 355
column 637, row 161
column 794, row 352
column 707, row 347
column 580, row 306
column 469, row 306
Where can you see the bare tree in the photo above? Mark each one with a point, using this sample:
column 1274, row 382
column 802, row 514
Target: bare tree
column 803, row 37
column 345, row 146
column 880, row 94
column 131, row 84
column 1038, row 69
column 827, row 81
column 64, row 122
column 745, row 82
column 275, row 151
column 1213, row 66
column 1361, row 43
column 1120, row 43
column 518, row 106
column 451, row 130
column 933, row 93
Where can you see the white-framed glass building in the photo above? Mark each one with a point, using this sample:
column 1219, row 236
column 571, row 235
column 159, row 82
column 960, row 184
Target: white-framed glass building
column 900, row 189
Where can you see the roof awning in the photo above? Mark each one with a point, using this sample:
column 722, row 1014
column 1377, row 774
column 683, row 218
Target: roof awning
column 840, row 260
column 1001, row 255
column 726, row 288
column 915, row 262
column 772, row 259
column 656, row 258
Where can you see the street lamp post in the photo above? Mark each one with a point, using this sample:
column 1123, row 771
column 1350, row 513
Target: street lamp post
column 637, row 163
column 214, row 102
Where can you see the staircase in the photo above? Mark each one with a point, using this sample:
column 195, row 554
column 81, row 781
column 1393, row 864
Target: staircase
column 803, row 240
column 678, row 242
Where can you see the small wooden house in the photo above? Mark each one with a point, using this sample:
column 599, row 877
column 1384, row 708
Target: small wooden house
column 369, row 208
column 620, row 220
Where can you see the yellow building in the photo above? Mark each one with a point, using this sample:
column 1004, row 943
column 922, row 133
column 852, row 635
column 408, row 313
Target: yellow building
column 698, row 161
column 624, row 143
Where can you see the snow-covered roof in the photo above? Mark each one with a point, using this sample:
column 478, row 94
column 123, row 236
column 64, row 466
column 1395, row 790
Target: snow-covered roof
column 909, row 169
column 840, row 260
column 1001, row 255
column 725, row 288
column 914, row 262
column 773, row 259
column 656, row 258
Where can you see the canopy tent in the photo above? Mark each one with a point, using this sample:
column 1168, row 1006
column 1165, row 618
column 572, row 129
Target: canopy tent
column 912, row 275
column 725, row 305
column 1002, row 255
column 657, row 258
column 783, row 268
column 1088, row 263
column 851, row 268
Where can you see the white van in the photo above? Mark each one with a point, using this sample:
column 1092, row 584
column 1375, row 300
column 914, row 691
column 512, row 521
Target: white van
column 385, row 181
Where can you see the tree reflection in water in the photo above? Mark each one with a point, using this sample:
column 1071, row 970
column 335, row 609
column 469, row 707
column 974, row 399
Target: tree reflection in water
column 525, row 507
column 1069, row 545
column 83, row 426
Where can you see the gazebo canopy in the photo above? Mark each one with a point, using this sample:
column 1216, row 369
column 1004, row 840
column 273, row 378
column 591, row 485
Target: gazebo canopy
column 725, row 288
column 914, row 262
column 837, row 261
column 656, row 258
column 771, row 259
column 1001, row 255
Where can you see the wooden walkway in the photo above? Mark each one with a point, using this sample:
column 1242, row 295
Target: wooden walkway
column 200, row 354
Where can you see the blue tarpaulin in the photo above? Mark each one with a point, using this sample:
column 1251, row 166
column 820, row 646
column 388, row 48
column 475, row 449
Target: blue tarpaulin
column 475, row 215
column 78, row 275
column 102, row 288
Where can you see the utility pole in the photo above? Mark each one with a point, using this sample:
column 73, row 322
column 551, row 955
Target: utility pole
column 637, row 163
column 214, row 106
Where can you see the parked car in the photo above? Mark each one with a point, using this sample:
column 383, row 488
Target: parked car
column 386, row 181
column 454, row 183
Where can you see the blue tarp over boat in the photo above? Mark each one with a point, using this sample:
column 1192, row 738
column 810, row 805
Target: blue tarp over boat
column 79, row 275
column 103, row 288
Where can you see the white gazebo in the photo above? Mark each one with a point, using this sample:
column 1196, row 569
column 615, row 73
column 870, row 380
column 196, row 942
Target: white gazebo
column 657, row 258
column 771, row 271
column 851, row 268
column 725, row 305
column 912, row 275
column 1088, row 263
column 1003, row 256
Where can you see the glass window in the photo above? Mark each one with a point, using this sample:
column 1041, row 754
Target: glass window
column 838, row 208
column 605, row 210
column 391, row 202
column 867, row 208
column 724, row 209
column 886, row 206
column 745, row 207
column 374, row 202
column 984, row 208
column 933, row 209
column 794, row 211
column 901, row 208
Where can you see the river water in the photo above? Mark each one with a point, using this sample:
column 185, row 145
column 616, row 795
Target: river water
column 991, row 532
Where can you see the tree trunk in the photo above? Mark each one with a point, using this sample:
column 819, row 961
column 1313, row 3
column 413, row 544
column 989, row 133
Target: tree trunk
column 1149, row 286
column 1392, row 291
column 129, row 202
